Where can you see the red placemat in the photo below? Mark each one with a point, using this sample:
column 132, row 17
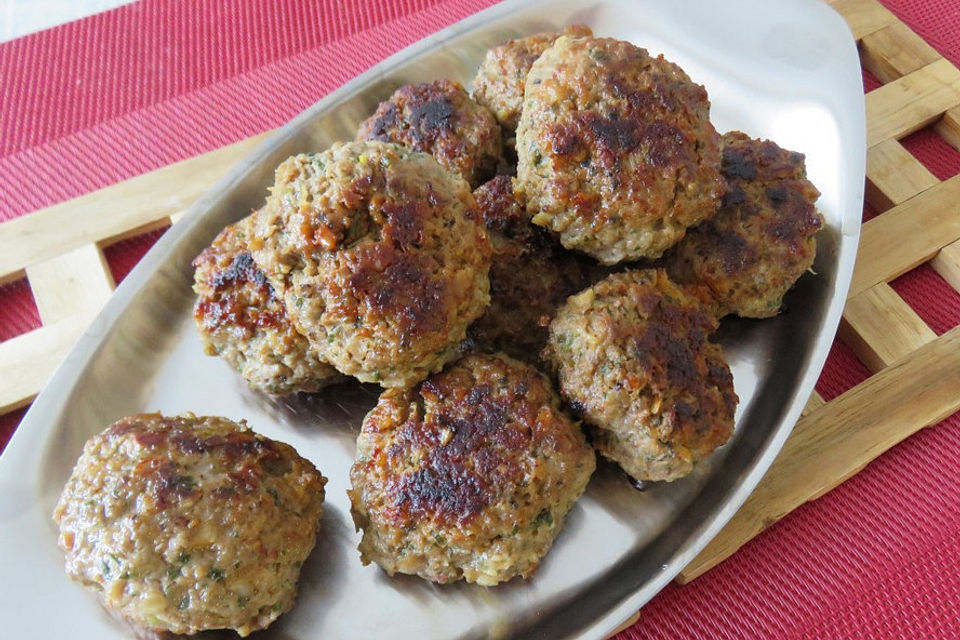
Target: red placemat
column 102, row 99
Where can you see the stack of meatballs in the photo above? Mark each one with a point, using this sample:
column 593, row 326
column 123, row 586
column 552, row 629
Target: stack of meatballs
column 517, row 322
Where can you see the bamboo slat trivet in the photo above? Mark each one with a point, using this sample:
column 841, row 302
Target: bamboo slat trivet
column 916, row 379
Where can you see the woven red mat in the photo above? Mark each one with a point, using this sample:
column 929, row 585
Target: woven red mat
column 115, row 95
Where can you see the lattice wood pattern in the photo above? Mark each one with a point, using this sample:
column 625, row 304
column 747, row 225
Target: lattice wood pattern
column 916, row 379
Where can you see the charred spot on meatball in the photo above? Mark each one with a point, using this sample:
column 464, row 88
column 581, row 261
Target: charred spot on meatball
column 378, row 256
column 615, row 149
column 242, row 319
column 633, row 353
column 441, row 119
column 763, row 237
column 183, row 524
column 468, row 475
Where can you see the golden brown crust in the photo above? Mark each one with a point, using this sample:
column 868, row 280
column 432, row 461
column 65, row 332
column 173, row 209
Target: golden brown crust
column 241, row 319
column 237, row 293
column 378, row 256
column 468, row 475
column 499, row 82
column 188, row 523
column 633, row 357
column 762, row 238
column 504, row 215
column 616, row 151
column 530, row 276
column 441, row 119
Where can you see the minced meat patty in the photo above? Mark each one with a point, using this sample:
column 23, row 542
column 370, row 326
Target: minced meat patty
column 378, row 256
column 615, row 149
column 530, row 276
column 632, row 355
column 241, row 319
column 762, row 239
column 441, row 119
column 503, row 72
column 468, row 475
column 188, row 523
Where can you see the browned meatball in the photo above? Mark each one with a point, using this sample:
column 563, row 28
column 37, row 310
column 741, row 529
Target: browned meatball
column 616, row 151
column 503, row 72
column 762, row 239
column 468, row 475
column 530, row 276
column 242, row 319
column 378, row 256
column 189, row 523
column 441, row 119
column 632, row 354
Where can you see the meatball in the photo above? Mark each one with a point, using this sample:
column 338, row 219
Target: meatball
column 441, row 119
column 468, row 475
column 762, row 239
column 378, row 256
column 632, row 355
column 530, row 276
column 241, row 319
column 615, row 149
column 501, row 76
column 188, row 523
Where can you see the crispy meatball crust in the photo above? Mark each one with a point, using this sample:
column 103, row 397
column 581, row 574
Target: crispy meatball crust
column 188, row 523
column 441, row 119
column 530, row 276
column 616, row 151
column 241, row 319
column 468, row 475
column 503, row 72
column 762, row 239
column 632, row 356
column 378, row 256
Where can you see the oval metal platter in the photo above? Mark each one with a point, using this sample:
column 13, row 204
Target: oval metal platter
column 787, row 71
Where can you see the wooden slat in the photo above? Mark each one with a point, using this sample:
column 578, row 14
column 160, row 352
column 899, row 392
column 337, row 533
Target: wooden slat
column 949, row 127
column 27, row 361
column 76, row 282
column 835, row 442
column 907, row 235
column 814, row 402
column 912, row 102
column 947, row 264
column 629, row 622
column 126, row 208
column 895, row 51
column 881, row 328
column 894, row 175
column 864, row 16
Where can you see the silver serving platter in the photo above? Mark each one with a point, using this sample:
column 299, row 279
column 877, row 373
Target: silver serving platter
column 786, row 70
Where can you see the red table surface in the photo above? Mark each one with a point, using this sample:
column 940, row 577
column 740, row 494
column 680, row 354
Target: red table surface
column 106, row 98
